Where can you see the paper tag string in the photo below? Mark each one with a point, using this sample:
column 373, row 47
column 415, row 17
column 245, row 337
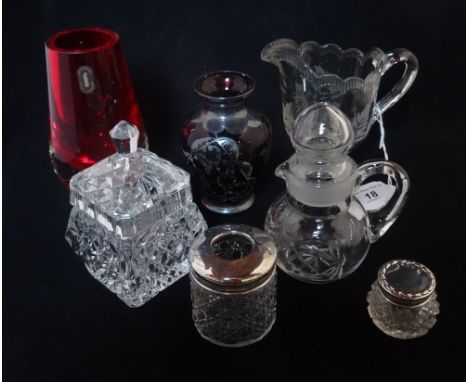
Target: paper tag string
column 382, row 146
column 378, row 116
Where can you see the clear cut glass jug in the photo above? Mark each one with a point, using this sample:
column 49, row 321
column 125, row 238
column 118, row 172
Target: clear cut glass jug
column 321, row 229
column 348, row 79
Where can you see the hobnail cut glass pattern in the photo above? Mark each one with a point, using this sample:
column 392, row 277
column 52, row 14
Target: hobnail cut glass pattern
column 234, row 320
column 133, row 220
column 400, row 321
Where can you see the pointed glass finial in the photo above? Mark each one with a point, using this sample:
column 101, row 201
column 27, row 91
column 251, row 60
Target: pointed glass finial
column 125, row 137
column 322, row 128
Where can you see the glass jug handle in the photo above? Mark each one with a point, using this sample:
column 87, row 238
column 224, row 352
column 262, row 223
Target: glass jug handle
column 380, row 220
column 402, row 86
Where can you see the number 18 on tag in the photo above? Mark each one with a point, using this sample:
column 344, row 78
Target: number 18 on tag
column 374, row 195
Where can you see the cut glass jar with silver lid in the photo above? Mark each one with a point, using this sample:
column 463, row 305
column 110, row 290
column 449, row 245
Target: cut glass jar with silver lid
column 233, row 285
column 133, row 219
column 402, row 301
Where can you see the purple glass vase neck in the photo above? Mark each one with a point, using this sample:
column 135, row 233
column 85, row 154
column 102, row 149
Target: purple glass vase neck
column 82, row 40
column 224, row 87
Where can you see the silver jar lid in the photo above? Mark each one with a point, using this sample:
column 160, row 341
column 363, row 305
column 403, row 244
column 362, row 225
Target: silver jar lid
column 233, row 257
column 406, row 282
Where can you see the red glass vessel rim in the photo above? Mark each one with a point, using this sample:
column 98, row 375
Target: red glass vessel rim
column 106, row 38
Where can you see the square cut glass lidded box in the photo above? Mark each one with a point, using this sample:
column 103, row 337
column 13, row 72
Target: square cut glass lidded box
column 133, row 219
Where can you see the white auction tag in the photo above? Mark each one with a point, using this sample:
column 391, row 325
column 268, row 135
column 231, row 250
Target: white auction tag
column 374, row 195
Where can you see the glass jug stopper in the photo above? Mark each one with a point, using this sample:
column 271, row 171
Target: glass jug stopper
column 320, row 173
column 324, row 129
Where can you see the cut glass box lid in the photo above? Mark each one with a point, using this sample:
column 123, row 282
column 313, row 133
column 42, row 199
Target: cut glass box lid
column 132, row 189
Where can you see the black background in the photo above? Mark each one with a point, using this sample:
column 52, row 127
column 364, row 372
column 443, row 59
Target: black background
column 60, row 324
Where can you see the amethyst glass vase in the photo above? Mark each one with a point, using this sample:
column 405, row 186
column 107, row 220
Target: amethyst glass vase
column 226, row 143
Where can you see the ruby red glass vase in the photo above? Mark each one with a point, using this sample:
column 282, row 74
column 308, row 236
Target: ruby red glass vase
column 90, row 91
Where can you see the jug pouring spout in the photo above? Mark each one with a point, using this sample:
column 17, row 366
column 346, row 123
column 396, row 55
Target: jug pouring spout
column 283, row 53
column 279, row 51
column 293, row 75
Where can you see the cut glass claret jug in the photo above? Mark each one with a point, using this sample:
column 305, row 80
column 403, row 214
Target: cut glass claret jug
column 332, row 210
column 348, row 79
column 133, row 219
column 402, row 301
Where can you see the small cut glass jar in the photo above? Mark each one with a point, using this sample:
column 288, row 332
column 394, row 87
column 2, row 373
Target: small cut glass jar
column 402, row 301
column 233, row 285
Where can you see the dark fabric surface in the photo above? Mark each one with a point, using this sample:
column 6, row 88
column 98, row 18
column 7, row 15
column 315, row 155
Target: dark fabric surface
column 60, row 324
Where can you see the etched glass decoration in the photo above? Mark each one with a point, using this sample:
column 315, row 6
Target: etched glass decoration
column 233, row 285
column 403, row 302
column 321, row 229
column 348, row 79
column 226, row 142
column 133, row 219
